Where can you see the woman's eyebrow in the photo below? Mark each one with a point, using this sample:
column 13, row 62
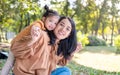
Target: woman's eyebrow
column 69, row 27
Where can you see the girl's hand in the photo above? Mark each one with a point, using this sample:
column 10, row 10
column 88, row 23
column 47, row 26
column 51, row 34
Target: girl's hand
column 35, row 34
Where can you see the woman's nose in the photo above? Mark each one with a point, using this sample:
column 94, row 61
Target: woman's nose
column 63, row 29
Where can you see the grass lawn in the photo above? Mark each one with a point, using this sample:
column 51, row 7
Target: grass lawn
column 93, row 60
column 96, row 60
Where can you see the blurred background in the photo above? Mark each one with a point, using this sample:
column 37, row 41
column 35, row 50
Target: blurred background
column 97, row 24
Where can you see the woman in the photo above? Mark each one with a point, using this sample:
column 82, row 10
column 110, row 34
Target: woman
column 65, row 34
column 38, row 59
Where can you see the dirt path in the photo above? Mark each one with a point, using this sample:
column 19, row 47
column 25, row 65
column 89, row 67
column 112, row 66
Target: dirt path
column 4, row 46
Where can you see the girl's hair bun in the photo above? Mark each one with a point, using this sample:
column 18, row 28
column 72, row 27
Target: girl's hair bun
column 46, row 8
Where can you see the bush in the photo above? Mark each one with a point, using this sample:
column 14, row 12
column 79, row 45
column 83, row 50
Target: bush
column 94, row 41
column 117, row 43
column 82, row 38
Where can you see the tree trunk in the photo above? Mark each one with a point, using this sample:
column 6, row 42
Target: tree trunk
column 119, row 31
column 100, row 17
column 27, row 20
column 103, row 27
column 86, row 28
column 112, row 32
column 97, row 25
column 21, row 23
column 118, row 27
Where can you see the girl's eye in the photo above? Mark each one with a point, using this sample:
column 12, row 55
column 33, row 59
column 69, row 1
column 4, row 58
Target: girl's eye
column 62, row 24
column 50, row 20
column 55, row 23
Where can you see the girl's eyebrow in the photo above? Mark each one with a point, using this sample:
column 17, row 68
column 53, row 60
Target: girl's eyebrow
column 63, row 22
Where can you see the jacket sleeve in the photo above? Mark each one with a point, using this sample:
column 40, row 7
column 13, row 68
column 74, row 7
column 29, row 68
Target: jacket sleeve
column 23, row 48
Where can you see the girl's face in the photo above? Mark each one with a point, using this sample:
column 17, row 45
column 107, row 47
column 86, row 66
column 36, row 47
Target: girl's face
column 63, row 29
column 50, row 22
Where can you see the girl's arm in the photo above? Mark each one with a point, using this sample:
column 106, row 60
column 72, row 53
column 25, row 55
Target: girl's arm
column 35, row 33
column 8, row 65
column 24, row 49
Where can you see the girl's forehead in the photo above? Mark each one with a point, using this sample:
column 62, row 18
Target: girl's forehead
column 52, row 17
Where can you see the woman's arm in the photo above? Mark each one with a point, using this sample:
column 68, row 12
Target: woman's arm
column 8, row 65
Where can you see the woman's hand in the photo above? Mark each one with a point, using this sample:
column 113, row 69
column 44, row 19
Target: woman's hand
column 78, row 48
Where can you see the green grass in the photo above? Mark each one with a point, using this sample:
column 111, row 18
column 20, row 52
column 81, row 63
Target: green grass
column 100, row 48
column 2, row 63
column 83, row 70
column 78, row 69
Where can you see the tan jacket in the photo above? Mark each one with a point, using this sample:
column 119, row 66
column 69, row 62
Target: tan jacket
column 37, row 59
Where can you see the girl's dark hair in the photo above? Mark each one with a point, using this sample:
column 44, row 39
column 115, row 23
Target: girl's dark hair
column 49, row 12
column 68, row 45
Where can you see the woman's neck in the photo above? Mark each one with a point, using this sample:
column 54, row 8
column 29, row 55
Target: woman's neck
column 57, row 41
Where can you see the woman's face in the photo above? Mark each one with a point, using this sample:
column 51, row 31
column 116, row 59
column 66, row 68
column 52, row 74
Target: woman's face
column 63, row 29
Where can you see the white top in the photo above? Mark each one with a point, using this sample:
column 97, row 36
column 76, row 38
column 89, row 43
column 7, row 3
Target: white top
column 8, row 65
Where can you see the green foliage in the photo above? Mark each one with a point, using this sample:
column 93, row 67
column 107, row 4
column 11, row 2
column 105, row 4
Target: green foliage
column 117, row 43
column 2, row 61
column 94, row 41
column 89, row 16
column 82, row 38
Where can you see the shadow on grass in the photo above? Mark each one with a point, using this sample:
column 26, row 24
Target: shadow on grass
column 100, row 49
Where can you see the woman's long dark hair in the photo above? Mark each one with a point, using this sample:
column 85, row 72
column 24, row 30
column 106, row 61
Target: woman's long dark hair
column 67, row 45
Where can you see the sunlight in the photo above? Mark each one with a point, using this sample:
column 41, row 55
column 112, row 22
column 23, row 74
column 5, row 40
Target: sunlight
column 106, row 62
column 44, row 2
column 98, row 2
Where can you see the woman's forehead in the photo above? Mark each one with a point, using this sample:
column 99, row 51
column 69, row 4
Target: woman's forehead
column 66, row 22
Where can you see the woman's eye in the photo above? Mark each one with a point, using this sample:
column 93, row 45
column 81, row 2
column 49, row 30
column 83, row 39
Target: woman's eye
column 68, row 29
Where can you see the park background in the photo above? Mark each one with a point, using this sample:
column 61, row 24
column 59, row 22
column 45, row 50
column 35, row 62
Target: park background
column 97, row 24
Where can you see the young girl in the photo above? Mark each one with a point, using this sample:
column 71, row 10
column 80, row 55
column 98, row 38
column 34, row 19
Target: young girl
column 48, row 23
